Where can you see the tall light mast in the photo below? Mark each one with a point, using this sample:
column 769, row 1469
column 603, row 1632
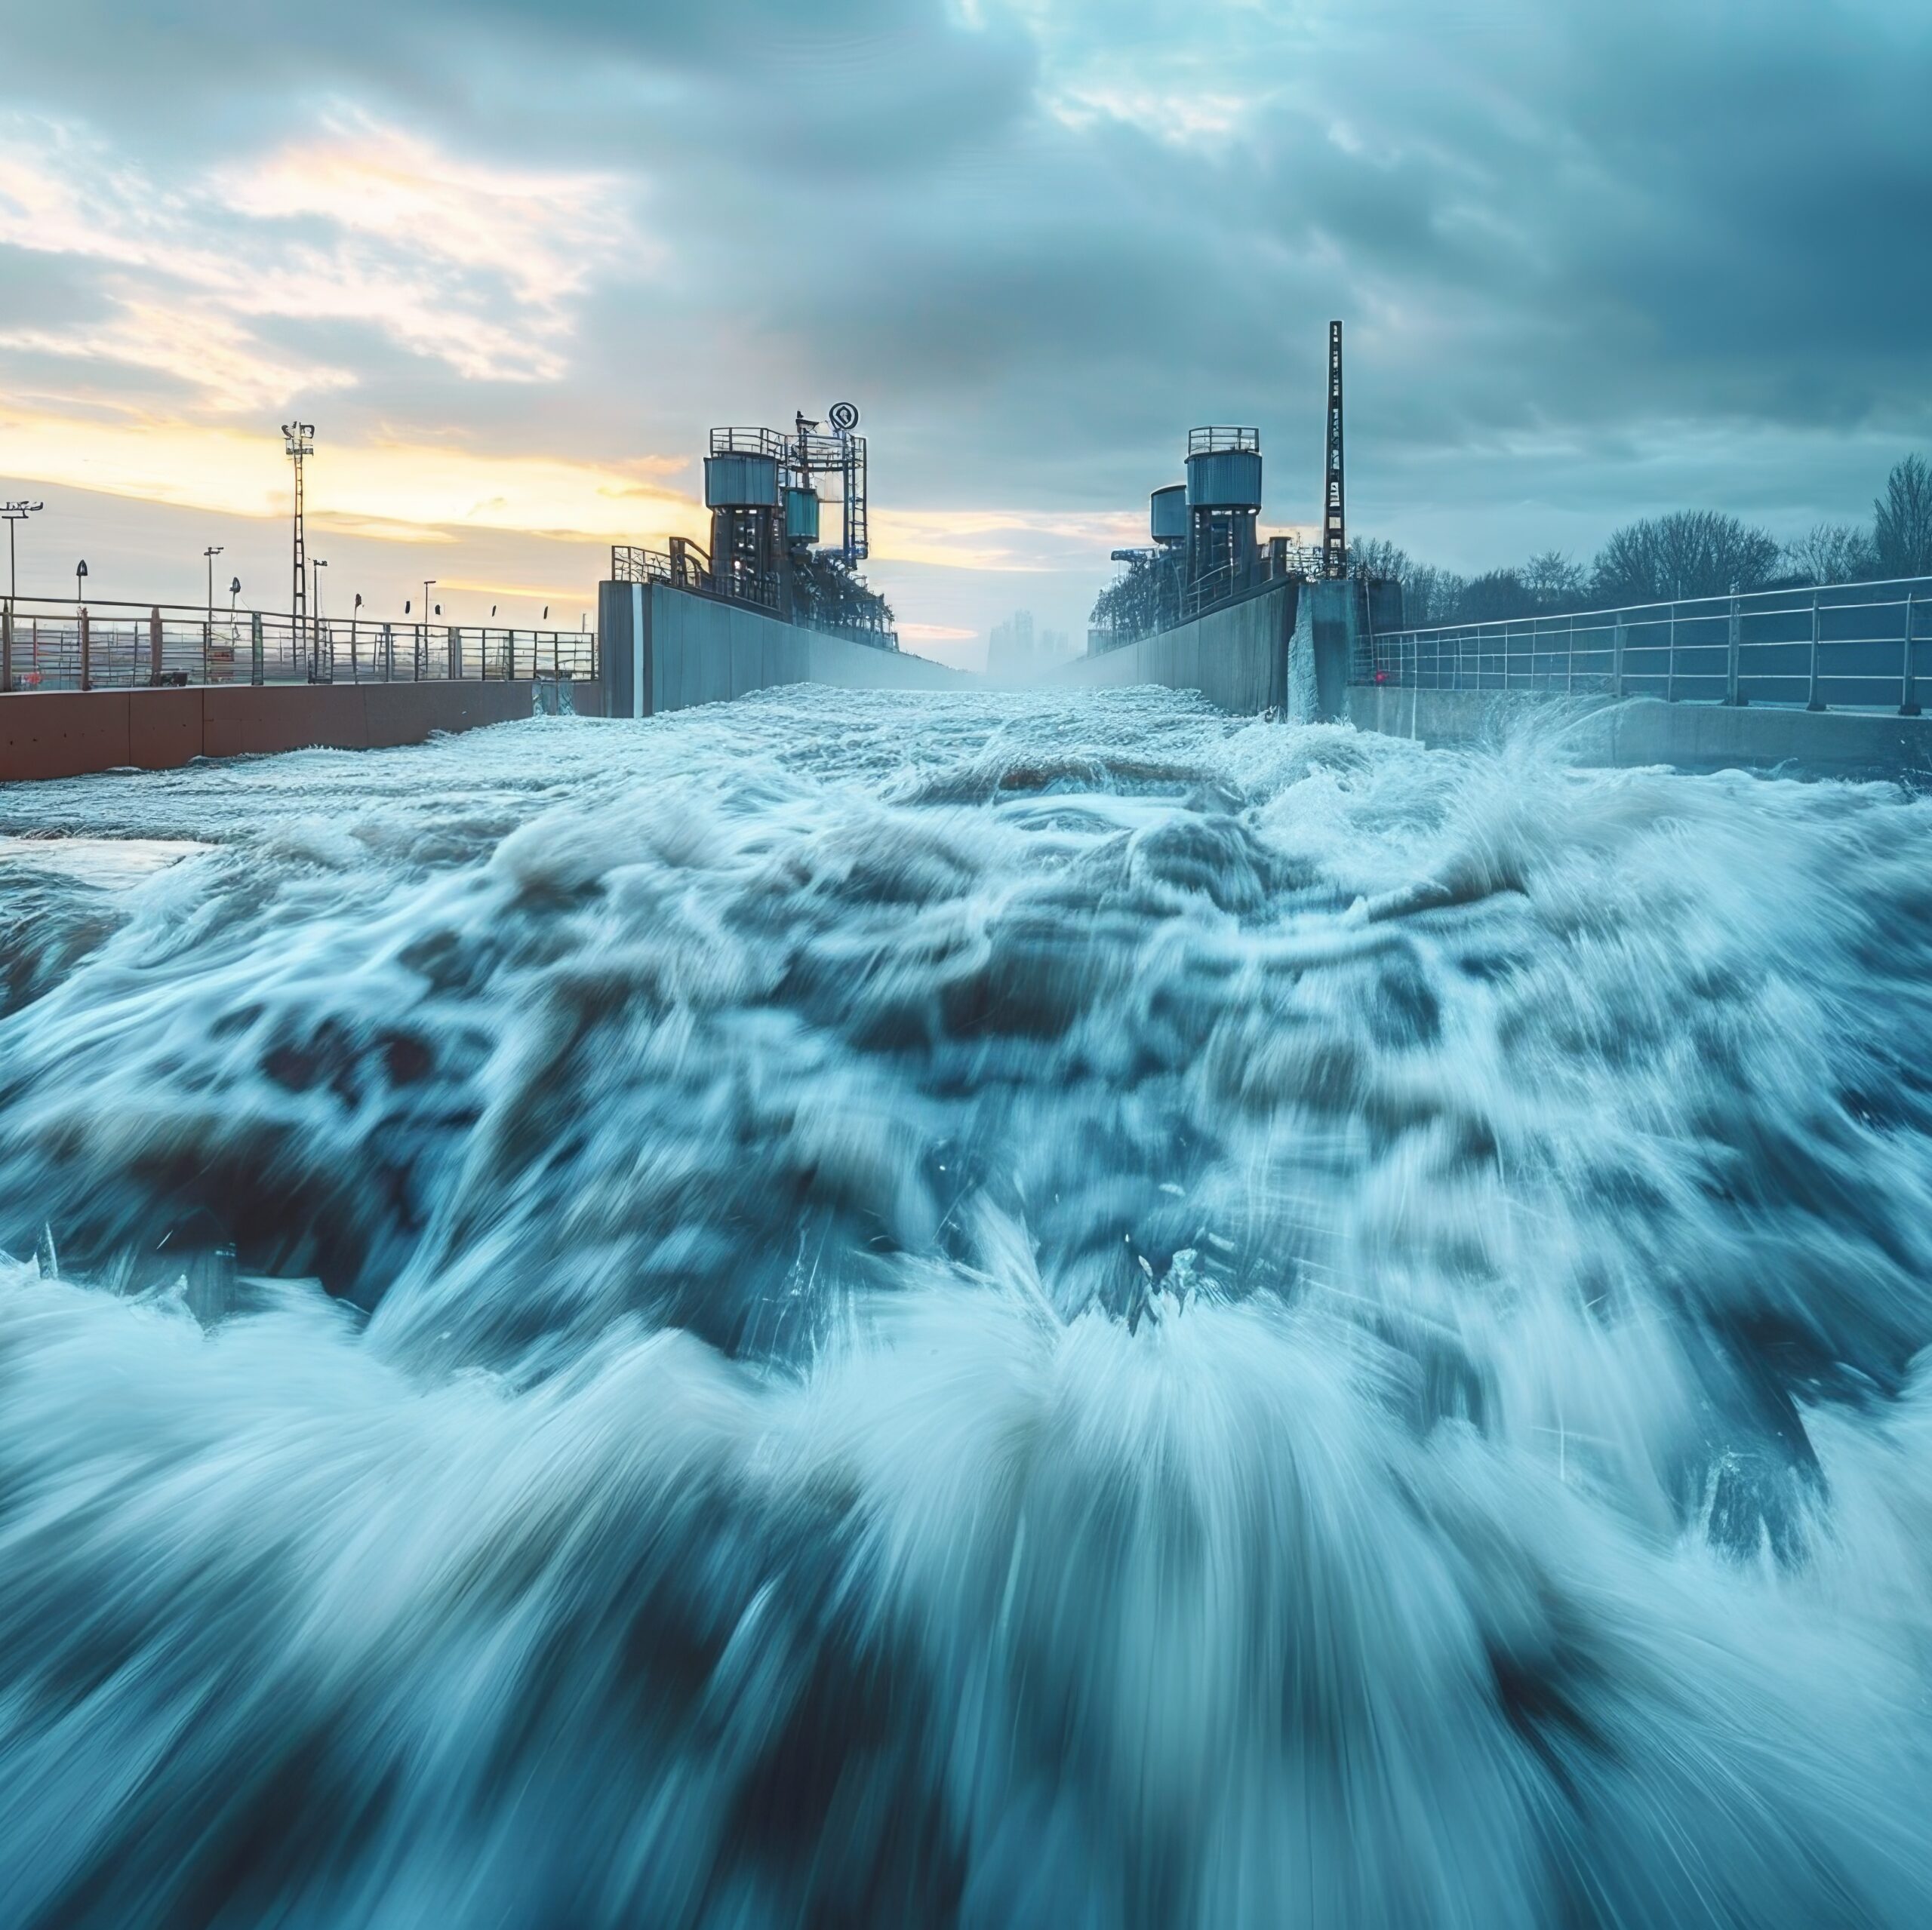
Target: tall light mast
column 300, row 438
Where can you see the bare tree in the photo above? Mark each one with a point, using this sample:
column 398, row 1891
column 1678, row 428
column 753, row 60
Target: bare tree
column 1833, row 553
column 1377, row 556
column 1690, row 553
column 1430, row 595
column 1494, row 595
column 1902, row 521
column 1554, row 580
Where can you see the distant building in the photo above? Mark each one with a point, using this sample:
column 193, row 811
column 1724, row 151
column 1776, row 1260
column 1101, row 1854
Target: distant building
column 1017, row 652
column 1010, row 647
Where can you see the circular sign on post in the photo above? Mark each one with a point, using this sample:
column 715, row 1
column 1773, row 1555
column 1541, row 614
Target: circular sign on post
column 843, row 417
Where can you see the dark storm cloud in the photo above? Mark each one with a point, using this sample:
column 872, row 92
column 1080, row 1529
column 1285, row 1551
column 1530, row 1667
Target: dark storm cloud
column 1038, row 241
column 838, row 83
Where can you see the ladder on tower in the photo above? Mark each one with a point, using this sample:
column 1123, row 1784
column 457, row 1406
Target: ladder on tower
column 855, row 545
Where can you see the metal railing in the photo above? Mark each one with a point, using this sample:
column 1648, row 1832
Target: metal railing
column 1221, row 437
column 632, row 562
column 47, row 644
column 1844, row 646
column 683, row 566
column 750, row 441
column 1275, row 563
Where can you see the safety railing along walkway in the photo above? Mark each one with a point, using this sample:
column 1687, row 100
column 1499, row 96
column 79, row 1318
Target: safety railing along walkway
column 1842, row 647
column 684, row 567
column 46, row 644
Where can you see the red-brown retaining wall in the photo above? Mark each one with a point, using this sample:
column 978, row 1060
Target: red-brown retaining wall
column 69, row 733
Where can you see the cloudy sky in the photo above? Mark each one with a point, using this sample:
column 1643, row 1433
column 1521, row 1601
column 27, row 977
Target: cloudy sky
column 1597, row 260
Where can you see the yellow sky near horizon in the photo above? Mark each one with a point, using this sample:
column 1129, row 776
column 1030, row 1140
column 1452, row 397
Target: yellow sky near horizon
column 322, row 264
column 410, row 492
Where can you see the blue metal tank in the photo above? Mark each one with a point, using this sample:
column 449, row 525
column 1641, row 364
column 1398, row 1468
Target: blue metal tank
column 740, row 482
column 801, row 515
column 1224, row 479
column 1167, row 514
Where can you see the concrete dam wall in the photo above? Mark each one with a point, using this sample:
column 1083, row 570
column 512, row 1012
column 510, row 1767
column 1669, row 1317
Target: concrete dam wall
column 1237, row 657
column 666, row 649
column 1286, row 649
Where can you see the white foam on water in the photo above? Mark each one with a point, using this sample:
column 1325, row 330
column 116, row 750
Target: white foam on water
column 112, row 863
column 853, row 1309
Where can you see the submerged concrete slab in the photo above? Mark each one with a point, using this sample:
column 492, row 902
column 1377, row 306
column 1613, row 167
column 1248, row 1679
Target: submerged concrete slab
column 1646, row 730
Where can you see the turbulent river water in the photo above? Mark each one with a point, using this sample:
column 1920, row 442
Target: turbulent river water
column 892, row 1311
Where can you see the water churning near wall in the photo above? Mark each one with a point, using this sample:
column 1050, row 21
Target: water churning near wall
column 882, row 1310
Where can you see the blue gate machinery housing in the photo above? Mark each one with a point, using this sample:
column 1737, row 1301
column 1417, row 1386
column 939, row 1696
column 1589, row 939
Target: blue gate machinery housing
column 762, row 488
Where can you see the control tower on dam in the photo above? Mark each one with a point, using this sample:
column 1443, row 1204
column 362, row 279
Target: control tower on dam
column 770, row 601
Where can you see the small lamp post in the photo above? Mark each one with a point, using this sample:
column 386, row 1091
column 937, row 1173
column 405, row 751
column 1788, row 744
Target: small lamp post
column 317, row 565
column 16, row 513
column 81, row 623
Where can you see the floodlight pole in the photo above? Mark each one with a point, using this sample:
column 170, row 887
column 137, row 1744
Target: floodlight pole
column 300, row 440
column 15, row 513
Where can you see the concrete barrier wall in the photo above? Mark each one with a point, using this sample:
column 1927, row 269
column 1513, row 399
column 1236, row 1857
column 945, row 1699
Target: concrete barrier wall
column 1646, row 730
column 667, row 649
column 1237, row 657
column 69, row 733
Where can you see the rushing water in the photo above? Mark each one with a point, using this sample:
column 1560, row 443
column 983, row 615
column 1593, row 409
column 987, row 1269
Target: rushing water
column 880, row 1311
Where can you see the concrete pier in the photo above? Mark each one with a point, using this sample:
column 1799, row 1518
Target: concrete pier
column 666, row 649
column 1287, row 648
column 1237, row 656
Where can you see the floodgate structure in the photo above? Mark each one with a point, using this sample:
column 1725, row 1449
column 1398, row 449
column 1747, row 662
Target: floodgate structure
column 1824, row 679
column 894, row 1305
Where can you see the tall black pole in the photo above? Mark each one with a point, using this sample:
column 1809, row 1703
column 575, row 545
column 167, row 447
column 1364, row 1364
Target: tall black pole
column 1334, row 531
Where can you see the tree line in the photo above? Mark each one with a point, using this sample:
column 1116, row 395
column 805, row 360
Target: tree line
column 1690, row 553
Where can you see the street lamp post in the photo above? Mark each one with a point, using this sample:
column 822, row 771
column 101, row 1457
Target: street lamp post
column 81, row 622
column 317, row 565
column 211, row 553
column 16, row 513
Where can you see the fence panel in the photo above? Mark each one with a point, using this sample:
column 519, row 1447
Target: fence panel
column 1846, row 646
column 136, row 646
